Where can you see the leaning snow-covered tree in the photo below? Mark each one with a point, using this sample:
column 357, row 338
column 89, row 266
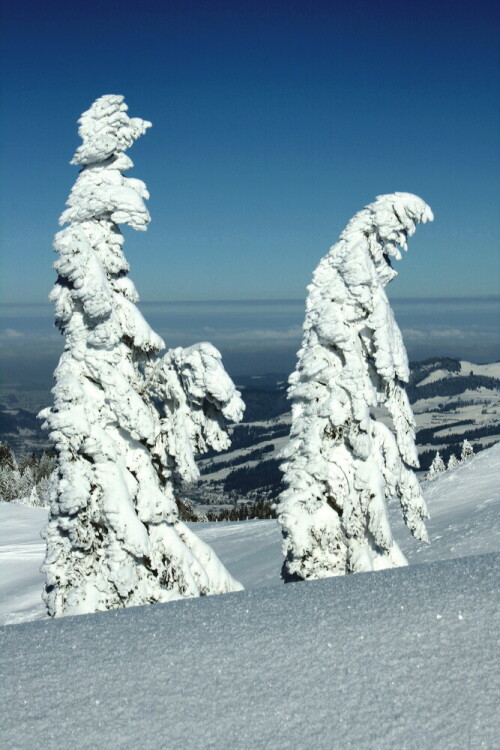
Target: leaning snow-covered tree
column 342, row 465
column 126, row 422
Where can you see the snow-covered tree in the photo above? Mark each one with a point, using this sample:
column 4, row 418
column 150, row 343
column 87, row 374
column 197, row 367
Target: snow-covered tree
column 467, row 451
column 33, row 498
column 7, row 457
column 26, row 485
column 125, row 422
column 5, row 472
column 437, row 466
column 44, row 466
column 42, row 488
column 453, row 462
column 18, row 481
column 10, row 479
column 341, row 465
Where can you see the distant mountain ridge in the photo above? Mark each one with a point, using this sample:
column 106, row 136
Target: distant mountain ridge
column 442, row 376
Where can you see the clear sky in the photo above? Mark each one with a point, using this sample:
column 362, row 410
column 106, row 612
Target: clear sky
column 274, row 122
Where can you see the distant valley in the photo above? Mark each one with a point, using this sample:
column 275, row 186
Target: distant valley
column 451, row 399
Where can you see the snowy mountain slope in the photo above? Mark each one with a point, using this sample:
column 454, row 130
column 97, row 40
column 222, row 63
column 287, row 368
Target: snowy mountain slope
column 250, row 549
column 490, row 370
column 452, row 400
column 405, row 658
column 455, row 394
column 465, row 520
column 21, row 554
column 464, row 504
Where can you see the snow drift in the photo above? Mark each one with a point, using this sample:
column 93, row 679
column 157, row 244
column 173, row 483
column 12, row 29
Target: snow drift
column 402, row 658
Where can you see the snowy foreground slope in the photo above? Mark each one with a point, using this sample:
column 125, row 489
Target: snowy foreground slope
column 465, row 520
column 404, row 658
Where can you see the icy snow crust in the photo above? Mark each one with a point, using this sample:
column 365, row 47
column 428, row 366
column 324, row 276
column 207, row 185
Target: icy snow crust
column 404, row 658
column 341, row 465
column 126, row 423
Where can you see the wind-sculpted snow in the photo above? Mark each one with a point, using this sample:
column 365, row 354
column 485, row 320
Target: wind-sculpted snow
column 102, row 192
column 341, row 466
column 125, row 423
column 403, row 658
column 106, row 131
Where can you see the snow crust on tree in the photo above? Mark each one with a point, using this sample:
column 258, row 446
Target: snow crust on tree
column 453, row 462
column 437, row 466
column 467, row 450
column 341, row 465
column 126, row 422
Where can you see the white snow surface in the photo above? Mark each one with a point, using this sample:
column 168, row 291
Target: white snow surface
column 21, row 554
column 402, row 658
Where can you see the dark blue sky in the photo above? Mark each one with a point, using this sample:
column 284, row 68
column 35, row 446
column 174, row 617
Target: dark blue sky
column 273, row 123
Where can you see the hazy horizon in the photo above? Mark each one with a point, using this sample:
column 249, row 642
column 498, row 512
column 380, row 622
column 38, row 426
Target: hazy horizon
column 254, row 336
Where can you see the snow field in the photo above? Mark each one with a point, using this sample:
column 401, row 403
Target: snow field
column 402, row 658
column 21, row 554
column 464, row 504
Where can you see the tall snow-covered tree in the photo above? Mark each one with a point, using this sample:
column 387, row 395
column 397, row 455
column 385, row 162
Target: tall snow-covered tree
column 126, row 422
column 10, row 480
column 26, row 483
column 5, row 488
column 42, row 494
column 7, row 457
column 9, row 474
column 342, row 464
column 467, row 450
column 437, row 466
